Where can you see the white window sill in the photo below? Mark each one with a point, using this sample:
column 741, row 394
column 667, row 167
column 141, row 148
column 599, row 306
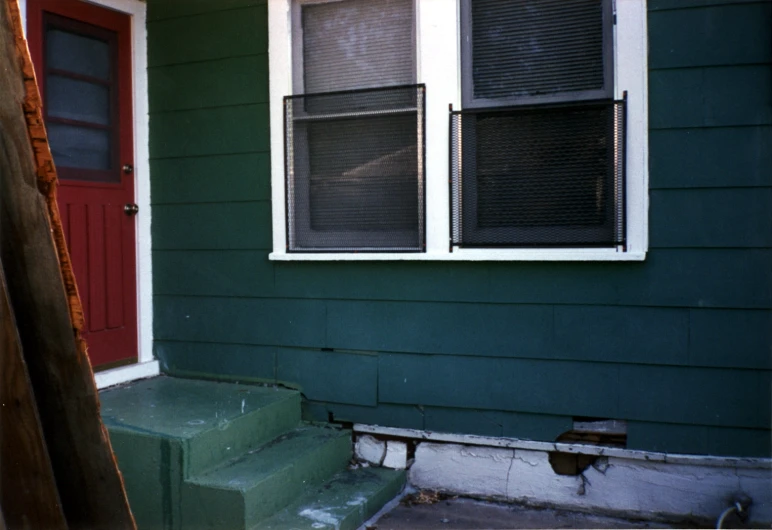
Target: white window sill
column 551, row 254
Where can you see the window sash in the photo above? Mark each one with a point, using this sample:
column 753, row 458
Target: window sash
column 469, row 100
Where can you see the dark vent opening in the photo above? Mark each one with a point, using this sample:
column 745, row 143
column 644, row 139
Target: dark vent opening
column 355, row 171
column 548, row 175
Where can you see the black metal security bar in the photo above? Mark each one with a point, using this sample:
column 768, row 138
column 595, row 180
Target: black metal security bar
column 355, row 171
column 539, row 176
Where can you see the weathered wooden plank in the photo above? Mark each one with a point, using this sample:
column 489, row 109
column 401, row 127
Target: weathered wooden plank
column 355, row 375
column 218, row 83
column 28, row 491
column 44, row 298
column 213, row 273
column 220, row 226
column 224, row 178
column 261, row 321
column 208, row 36
column 217, row 131
column 710, row 97
column 711, row 218
column 240, row 362
column 722, row 157
column 698, row 37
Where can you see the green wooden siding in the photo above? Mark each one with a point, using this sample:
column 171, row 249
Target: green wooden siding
column 680, row 345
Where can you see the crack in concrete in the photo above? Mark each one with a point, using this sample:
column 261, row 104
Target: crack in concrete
column 509, row 472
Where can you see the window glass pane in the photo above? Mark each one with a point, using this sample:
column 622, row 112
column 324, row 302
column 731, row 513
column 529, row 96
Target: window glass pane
column 77, row 100
column 536, row 48
column 78, row 54
column 357, row 44
column 79, row 147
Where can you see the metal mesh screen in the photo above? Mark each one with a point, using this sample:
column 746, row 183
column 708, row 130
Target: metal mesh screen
column 355, row 170
column 538, row 176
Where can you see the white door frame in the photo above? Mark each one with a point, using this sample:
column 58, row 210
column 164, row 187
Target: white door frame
column 146, row 365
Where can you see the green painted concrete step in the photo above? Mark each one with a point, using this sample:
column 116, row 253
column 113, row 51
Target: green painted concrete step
column 242, row 492
column 345, row 502
column 205, row 422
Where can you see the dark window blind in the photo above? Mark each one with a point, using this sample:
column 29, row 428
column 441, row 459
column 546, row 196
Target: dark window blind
column 524, row 51
column 355, row 44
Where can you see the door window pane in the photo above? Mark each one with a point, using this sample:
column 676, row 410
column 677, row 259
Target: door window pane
column 79, row 147
column 77, row 100
column 78, row 54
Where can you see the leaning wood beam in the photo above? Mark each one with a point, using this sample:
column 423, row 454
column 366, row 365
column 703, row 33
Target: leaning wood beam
column 28, row 492
column 44, row 298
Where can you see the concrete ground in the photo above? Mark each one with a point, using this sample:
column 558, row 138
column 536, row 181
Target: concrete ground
column 469, row 514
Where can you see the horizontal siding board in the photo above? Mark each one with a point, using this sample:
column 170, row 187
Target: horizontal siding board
column 669, row 277
column 696, row 396
column 213, row 131
column 355, row 376
column 698, row 37
column 496, row 423
column 240, row 273
column 735, row 338
column 658, row 5
column 163, row 9
column 710, row 97
column 682, row 278
column 218, row 83
column 622, row 334
column 711, row 218
column 667, row 437
column 384, row 414
column 261, row 321
column 752, row 443
column 543, row 387
column 225, row 226
column 208, row 36
column 234, row 361
column 223, row 178
column 383, row 280
column 712, row 157
column 488, row 330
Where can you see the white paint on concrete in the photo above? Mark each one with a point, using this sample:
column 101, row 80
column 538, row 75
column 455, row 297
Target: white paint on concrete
column 319, row 516
column 615, row 486
column 370, row 449
column 396, row 455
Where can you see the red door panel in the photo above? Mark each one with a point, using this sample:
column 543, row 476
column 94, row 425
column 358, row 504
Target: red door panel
column 82, row 56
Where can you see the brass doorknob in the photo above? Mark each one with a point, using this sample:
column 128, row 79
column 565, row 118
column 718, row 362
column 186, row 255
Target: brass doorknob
column 130, row 209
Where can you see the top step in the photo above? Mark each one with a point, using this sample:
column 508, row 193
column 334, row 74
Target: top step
column 212, row 421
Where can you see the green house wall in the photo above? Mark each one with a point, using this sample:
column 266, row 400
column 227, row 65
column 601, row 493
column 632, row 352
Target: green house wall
column 680, row 345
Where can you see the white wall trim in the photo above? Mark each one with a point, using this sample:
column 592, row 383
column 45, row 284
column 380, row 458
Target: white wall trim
column 438, row 61
column 137, row 9
column 124, row 374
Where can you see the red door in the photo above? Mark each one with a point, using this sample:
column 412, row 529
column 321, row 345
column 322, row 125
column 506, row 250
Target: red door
column 82, row 56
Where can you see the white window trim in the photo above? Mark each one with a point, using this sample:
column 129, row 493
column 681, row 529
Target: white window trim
column 439, row 67
column 146, row 365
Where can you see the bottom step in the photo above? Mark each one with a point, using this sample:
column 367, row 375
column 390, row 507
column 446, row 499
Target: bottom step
column 344, row 502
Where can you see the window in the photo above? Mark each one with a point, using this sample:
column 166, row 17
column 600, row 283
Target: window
column 354, row 129
column 542, row 157
column 537, row 151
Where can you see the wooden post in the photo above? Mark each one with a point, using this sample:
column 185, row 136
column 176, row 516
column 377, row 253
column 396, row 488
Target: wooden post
column 43, row 296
